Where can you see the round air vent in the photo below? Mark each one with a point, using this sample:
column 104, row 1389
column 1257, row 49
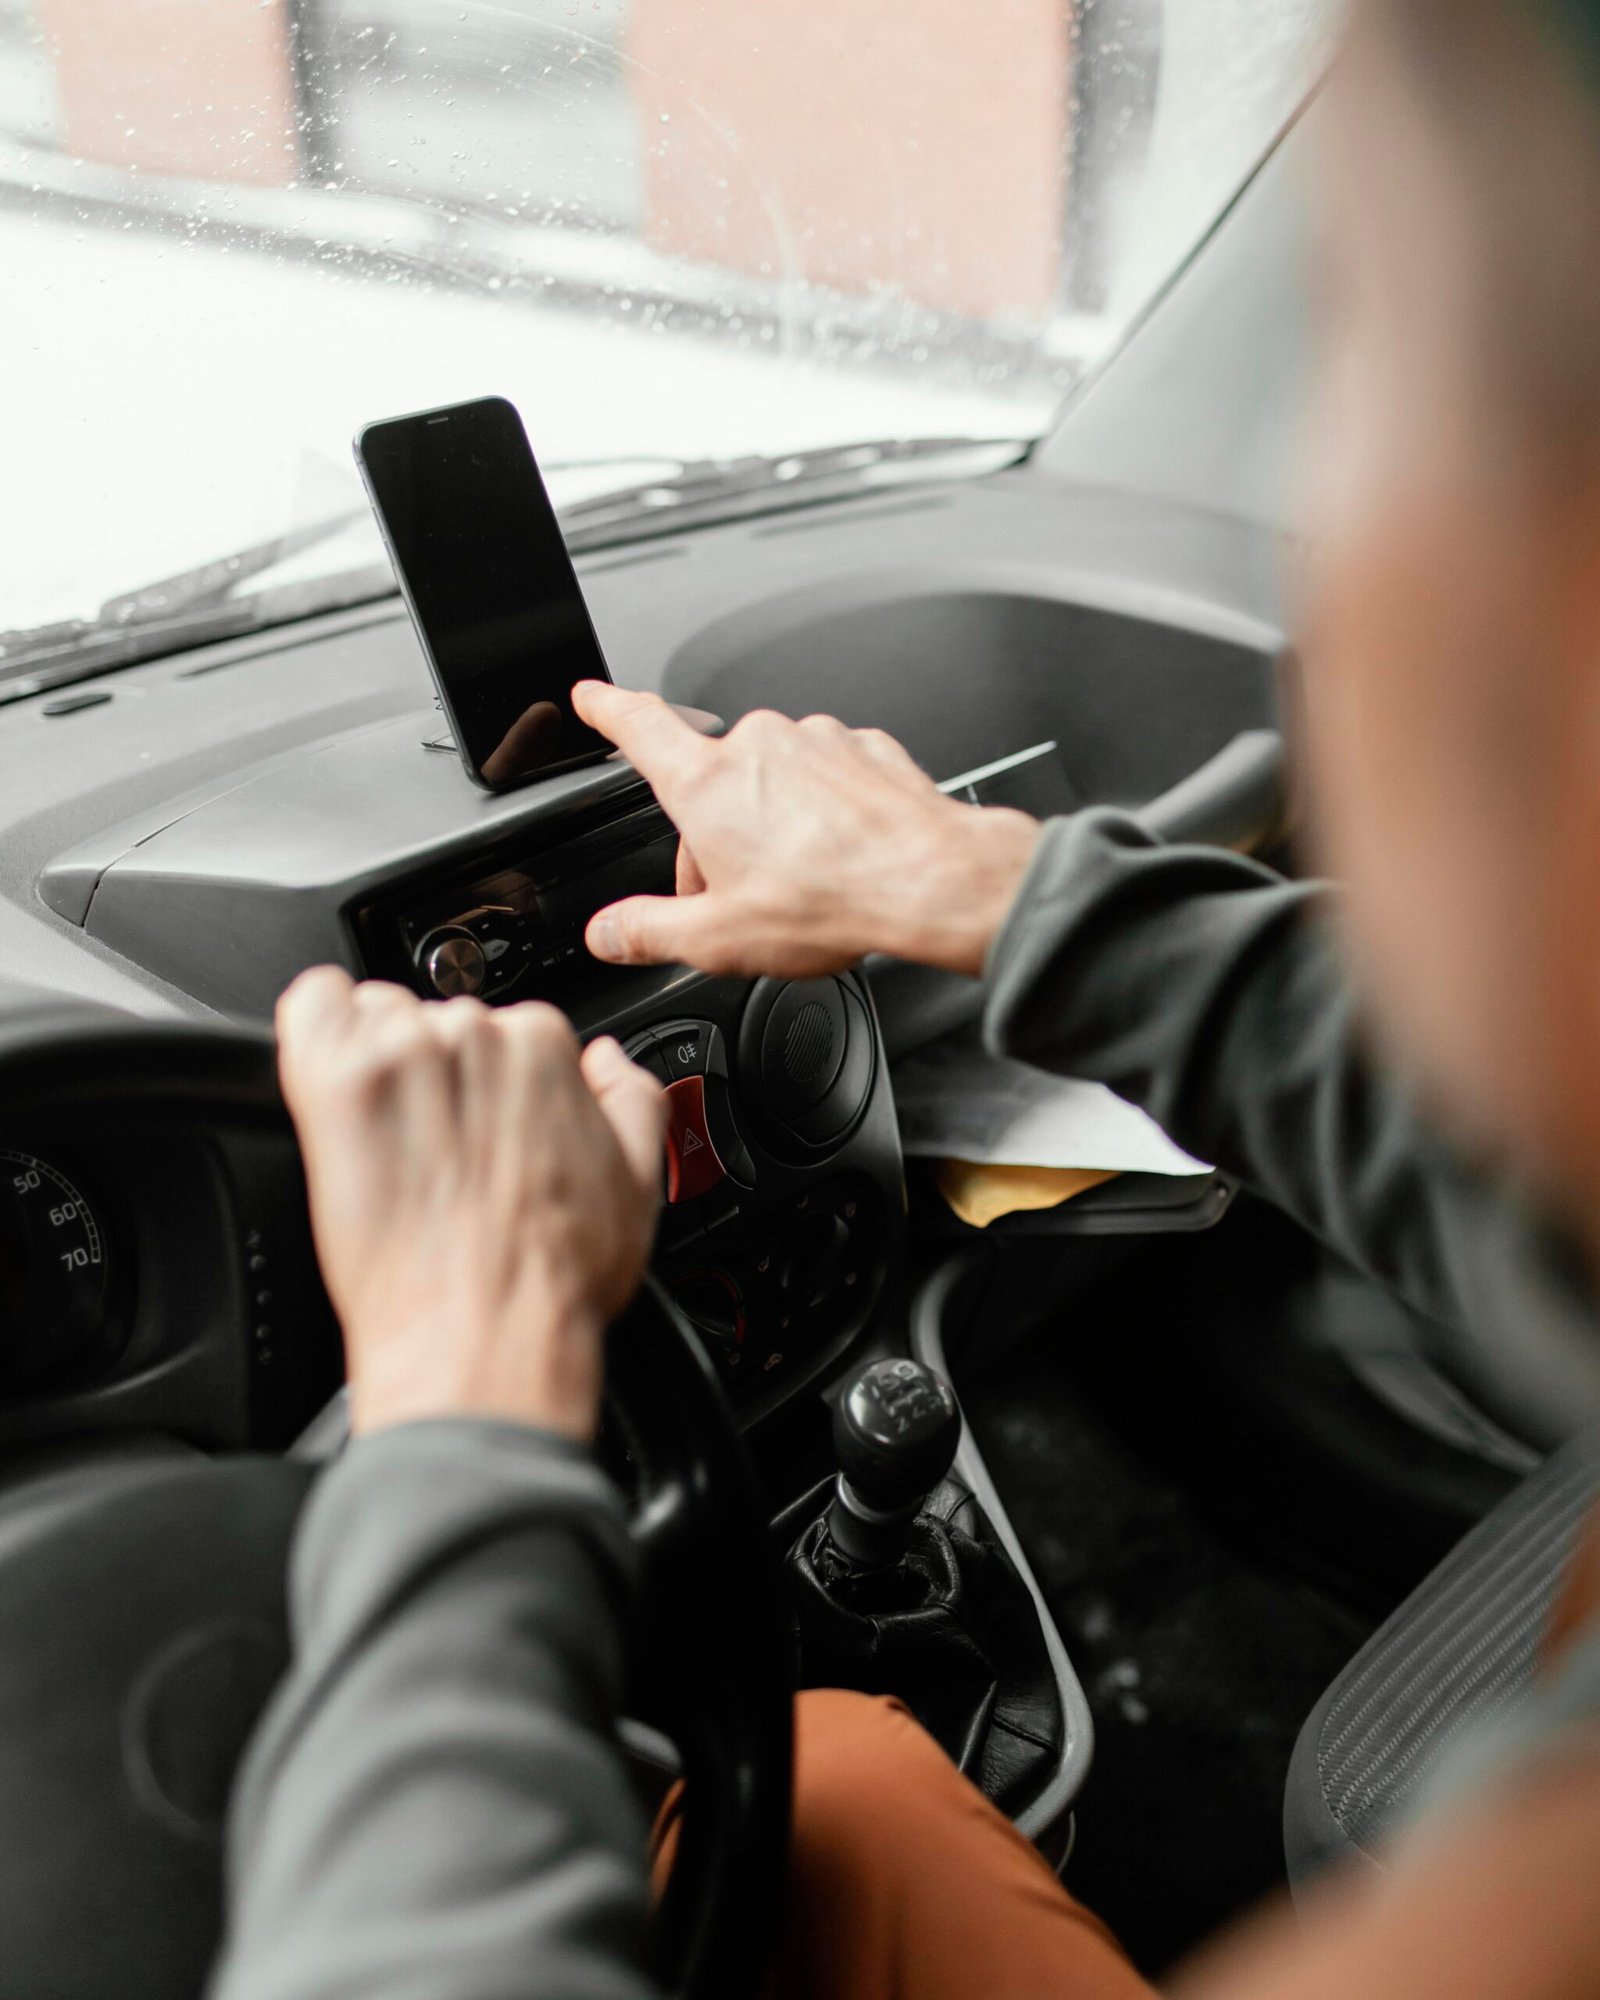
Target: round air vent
column 808, row 1045
column 806, row 1056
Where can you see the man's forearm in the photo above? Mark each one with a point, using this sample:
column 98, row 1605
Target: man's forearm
column 434, row 1804
column 1209, row 990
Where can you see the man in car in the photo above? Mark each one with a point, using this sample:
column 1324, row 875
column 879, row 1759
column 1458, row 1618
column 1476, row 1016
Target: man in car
column 435, row 1804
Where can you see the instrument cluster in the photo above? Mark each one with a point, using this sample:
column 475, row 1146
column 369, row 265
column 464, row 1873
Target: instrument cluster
column 58, row 1272
column 158, row 1277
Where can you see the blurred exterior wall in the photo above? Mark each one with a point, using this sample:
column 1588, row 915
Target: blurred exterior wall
column 183, row 87
column 910, row 148
column 918, row 145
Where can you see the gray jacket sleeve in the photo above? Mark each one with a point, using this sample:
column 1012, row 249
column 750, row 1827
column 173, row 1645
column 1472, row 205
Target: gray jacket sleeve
column 1210, row 991
column 434, row 1804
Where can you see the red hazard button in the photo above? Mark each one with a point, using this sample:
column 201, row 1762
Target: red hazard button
column 692, row 1164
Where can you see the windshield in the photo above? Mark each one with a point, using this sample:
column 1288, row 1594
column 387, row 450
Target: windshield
column 234, row 231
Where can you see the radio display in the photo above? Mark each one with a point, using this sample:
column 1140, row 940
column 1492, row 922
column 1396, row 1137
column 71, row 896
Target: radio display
column 517, row 933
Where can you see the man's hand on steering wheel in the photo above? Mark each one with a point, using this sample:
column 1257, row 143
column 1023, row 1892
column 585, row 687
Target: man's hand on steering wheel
column 483, row 1195
column 805, row 846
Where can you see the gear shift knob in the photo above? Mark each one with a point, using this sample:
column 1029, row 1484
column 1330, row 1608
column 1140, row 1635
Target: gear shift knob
column 895, row 1432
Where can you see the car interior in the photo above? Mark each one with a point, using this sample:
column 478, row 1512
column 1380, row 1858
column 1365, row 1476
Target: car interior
column 1201, row 1467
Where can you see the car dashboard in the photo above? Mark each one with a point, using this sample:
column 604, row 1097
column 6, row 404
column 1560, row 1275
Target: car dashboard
column 220, row 819
column 216, row 821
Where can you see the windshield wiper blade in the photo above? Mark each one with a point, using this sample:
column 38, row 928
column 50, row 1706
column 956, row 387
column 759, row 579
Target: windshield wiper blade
column 210, row 582
column 195, row 606
column 816, row 474
column 189, row 606
column 96, row 653
column 52, row 657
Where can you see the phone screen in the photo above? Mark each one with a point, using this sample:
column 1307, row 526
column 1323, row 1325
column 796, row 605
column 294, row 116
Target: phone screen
column 491, row 589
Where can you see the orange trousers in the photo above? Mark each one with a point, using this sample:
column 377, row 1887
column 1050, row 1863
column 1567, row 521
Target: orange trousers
column 906, row 1884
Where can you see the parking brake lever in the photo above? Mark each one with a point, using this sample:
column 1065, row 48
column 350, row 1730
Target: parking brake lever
column 895, row 1432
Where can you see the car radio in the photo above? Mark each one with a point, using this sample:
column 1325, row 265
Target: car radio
column 517, row 933
column 784, row 1204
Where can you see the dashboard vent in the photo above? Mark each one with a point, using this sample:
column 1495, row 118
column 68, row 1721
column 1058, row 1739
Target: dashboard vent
column 808, row 1046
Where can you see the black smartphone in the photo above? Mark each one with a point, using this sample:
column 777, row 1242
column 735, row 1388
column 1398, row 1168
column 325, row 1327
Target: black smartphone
column 484, row 570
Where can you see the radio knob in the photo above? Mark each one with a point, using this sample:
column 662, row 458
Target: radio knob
column 452, row 962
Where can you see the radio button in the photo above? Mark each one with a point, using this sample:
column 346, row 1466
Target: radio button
column 685, row 1049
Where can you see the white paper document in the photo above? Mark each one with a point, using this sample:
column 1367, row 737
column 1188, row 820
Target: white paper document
column 956, row 1102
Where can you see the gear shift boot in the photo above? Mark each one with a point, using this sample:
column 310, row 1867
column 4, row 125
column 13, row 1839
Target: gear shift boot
column 906, row 1592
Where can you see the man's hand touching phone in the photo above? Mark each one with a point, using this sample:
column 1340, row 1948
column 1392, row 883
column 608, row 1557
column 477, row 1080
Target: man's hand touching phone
column 805, row 845
column 483, row 1196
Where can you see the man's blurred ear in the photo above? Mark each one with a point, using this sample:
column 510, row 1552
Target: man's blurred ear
column 1568, row 622
column 1561, row 758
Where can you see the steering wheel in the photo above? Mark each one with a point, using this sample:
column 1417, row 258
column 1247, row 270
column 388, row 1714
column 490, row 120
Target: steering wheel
column 138, row 1594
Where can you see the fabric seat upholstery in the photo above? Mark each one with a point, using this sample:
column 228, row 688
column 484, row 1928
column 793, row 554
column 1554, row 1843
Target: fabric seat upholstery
column 1461, row 1650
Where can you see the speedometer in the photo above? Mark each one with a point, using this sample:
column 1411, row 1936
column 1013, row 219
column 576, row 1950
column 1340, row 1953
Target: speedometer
column 54, row 1271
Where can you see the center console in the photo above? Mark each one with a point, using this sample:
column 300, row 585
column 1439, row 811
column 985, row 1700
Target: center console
column 784, row 1206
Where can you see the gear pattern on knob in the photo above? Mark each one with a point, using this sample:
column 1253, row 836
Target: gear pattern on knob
column 895, row 1432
